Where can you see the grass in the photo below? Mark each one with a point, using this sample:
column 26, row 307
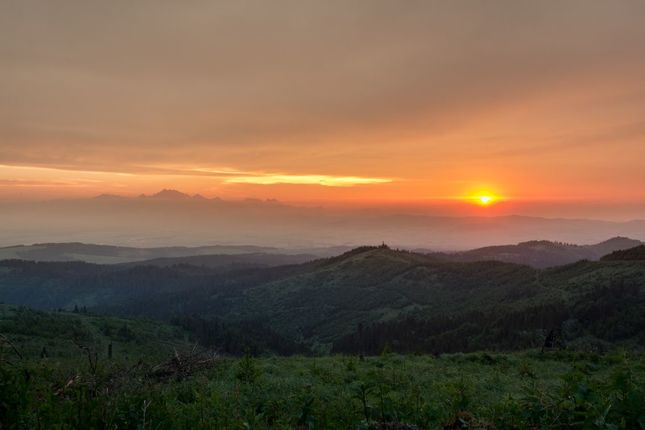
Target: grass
column 59, row 334
column 478, row 390
column 77, row 385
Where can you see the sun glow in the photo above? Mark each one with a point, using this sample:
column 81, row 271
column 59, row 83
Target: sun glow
column 483, row 198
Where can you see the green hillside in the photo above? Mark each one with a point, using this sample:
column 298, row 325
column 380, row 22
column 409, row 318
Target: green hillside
column 516, row 304
column 62, row 335
column 228, row 261
column 109, row 254
column 636, row 253
column 542, row 253
column 489, row 304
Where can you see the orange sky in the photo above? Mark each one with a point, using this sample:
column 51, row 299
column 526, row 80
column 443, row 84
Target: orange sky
column 330, row 102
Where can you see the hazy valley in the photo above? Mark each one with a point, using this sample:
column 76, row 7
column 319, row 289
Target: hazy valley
column 179, row 219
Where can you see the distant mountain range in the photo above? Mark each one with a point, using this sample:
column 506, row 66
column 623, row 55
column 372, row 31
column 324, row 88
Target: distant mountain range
column 230, row 261
column 542, row 253
column 170, row 194
column 213, row 256
column 535, row 253
column 173, row 217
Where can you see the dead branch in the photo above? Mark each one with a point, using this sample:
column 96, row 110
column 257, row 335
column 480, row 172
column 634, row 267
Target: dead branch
column 5, row 340
column 181, row 366
column 92, row 356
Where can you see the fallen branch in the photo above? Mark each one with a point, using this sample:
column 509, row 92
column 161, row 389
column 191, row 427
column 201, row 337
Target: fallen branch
column 92, row 356
column 181, row 366
column 5, row 340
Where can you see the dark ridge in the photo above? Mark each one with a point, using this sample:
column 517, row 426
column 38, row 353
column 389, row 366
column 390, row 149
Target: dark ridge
column 631, row 254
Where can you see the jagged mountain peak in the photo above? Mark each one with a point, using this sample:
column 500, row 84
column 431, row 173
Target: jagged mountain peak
column 167, row 193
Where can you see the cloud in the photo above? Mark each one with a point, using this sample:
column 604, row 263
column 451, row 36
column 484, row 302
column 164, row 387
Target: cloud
column 324, row 180
column 26, row 183
column 225, row 175
column 614, row 137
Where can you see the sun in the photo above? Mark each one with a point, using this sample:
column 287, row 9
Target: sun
column 486, row 199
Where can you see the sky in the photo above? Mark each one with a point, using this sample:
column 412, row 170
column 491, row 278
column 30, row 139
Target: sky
column 540, row 104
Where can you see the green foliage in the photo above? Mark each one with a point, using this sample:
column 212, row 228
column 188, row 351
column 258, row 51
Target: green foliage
column 247, row 371
column 64, row 334
column 635, row 253
column 237, row 338
column 386, row 392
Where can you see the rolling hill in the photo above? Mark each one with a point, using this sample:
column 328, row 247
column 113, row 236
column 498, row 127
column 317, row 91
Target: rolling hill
column 491, row 304
column 109, row 254
column 537, row 253
column 636, row 253
column 63, row 334
column 228, row 262
column 542, row 253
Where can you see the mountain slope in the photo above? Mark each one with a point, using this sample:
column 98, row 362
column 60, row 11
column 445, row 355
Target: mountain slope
column 533, row 253
column 108, row 254
column 60, row 334
column 228, row 262
column 495, row 304
column 382, row 285
column 636, row 253
column 542, row 253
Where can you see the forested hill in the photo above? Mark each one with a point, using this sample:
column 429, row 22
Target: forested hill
column 228, row 262
column 636, row 253
column 107, row 254
column 535, row 253
column 65, row 333
column 542, row 253
column 407, row 298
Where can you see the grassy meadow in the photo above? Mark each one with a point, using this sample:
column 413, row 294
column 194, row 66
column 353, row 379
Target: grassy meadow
column 479, row 390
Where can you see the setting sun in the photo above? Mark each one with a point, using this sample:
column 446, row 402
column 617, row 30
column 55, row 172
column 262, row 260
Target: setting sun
column 485, row 200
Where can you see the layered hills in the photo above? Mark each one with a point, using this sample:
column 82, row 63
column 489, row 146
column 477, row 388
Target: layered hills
column 173, row 217
column 536, row 253
column 328, row 302
column 543, row 253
